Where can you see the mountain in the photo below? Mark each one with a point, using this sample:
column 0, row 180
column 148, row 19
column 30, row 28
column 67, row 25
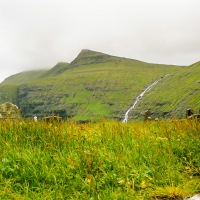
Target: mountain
column 94, row 84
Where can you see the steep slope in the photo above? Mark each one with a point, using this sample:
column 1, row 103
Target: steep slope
column 88, row 57
column 23, row 77
column 59, row 68
column 173, row 95
column 93, row 85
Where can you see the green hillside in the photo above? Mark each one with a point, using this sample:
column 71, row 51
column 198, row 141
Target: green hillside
column 23, row 77
column 94, row 85
column 8, row 93
column 174, row 94
column 56, row 70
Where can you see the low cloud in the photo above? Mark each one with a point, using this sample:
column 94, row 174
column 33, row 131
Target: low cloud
column 37, row 34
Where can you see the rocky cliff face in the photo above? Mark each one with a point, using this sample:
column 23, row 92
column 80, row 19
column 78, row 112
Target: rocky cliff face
column 37, row 100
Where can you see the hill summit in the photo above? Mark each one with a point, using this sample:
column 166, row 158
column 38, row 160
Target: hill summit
column 89, row 53
column 88, row 57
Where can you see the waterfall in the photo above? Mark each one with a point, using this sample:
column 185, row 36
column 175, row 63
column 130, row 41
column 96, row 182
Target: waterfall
column 139, row 97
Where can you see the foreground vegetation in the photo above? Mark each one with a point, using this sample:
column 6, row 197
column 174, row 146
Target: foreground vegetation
column 105, row 160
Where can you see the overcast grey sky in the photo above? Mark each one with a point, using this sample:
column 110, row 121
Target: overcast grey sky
column 39, row 33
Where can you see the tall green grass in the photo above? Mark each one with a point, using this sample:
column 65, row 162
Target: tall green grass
column 105, row 160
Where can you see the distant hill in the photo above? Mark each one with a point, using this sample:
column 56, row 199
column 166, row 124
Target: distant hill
column 92, row 86
column 23, row 77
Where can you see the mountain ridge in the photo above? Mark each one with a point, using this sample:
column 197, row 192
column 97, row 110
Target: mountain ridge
column 94, row 84
column 85, row 57
column 23, row 77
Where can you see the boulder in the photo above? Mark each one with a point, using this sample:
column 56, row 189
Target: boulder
column 9, row 111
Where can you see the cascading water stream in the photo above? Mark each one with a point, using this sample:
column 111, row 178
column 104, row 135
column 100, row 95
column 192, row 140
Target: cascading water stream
column 138, row 98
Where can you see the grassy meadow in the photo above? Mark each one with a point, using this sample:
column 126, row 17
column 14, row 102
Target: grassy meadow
column 104, row 160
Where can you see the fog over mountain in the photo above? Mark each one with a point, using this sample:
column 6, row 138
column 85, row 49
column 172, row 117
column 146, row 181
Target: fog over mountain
column 39, row 33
